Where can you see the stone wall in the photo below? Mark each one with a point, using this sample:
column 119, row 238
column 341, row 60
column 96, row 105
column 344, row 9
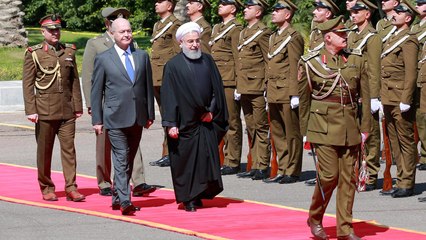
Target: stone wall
column 12, row 31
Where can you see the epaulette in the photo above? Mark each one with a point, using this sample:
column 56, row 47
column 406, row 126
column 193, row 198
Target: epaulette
column 72, row 46
column 33, row 48
column 353, row 51
column 309, row 55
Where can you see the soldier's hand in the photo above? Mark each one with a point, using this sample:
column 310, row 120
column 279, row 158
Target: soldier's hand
column 33, row 117
column 173, row 132
column 404, row 107
column 375, row 105
column 294, row 102
column 98, row 129
column 78, row 114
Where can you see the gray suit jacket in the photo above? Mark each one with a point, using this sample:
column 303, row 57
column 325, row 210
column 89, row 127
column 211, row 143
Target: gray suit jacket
column 116, row 101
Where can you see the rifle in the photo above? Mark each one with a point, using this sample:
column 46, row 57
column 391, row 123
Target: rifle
column 387, row 177
column 274, row 160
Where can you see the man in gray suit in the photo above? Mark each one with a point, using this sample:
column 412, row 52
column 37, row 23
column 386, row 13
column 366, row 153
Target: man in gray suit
column 123, row 103
column 95, row 46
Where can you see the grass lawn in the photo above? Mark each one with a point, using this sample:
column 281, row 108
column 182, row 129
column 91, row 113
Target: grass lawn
column 11, row 59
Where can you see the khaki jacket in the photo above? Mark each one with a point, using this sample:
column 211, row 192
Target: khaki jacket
column 329, row 121
column 284, row 53
column 224, row 50
column 164, row 46
column 206, row 32
column 399, row 69
column 52, row 94
column 384, row 28
column 252, row 57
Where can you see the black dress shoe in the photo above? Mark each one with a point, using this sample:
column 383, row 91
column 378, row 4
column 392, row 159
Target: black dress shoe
column 289, row 179
column 422, row 199
column 276, row 179
column 260, row 174
column 311, row 182
column 248, row 174
column 422, row 166
column 227, row 170
column 370, row 187
column 142, row 189
column 116, row 205
column 127, row 208
column 105, row 191
column 403, row 192
column 190, row 206
column 317, row 230
column 389, row 192
column 162, row 162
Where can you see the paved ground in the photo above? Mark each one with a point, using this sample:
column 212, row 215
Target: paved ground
column 25, row 222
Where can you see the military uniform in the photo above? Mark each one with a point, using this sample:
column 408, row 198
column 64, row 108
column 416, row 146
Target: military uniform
column 399, row 74
column 316, row 41
column 206, row 32
column 420, row 31
column 334, row 84
column 384, row 28
column 224, row 43
column 95, row 46
column 252, row 57
column 369, row 44
column 285, row 49
column 52, row 90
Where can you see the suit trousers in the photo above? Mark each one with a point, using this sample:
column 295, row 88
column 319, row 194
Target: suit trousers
column 157, row 95
column 285, row 131
column 336, row 169
column 401, row 136
column 45, row 132
column 234, row 136
column 254, row 108
column 421, row 129
column 103, row 163
column 124, row 145
column 372, row 145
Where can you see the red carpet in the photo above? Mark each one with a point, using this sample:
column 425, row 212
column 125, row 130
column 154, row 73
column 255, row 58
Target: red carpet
column 241, row 220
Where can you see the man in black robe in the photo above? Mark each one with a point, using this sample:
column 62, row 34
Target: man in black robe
column 195, row 114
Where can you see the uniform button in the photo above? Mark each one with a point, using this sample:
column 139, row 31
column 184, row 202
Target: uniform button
column 317, row 110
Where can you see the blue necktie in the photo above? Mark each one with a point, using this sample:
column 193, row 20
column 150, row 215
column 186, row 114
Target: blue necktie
column 129, row 67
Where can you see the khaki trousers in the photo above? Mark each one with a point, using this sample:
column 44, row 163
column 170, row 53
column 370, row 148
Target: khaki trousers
column 234, row 136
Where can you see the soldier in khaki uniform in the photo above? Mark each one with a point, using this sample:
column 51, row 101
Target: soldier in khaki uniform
column 224, row 43
column 95, row 46
column 285, row 49
column 384, row 26
column 420, row 31
column 324, row 10
column 164, row 47
column 52, row 97
column 252, row 57
column 333, row 81
column 349, row 23
column 195, row 9
column 399, row 75
column 365, row 41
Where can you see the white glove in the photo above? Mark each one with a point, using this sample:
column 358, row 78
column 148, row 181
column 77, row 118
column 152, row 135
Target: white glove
column 375, row 105
column 294, row 102
column 237, row 96
column 304, row 139
column 404, row 107
column 266, row 101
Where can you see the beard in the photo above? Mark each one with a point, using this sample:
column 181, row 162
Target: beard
column 191, row 54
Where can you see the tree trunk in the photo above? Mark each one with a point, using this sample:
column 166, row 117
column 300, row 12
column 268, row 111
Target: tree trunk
column 12, row 31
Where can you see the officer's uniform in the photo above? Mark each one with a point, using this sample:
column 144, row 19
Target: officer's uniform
column 369, row 44
column 399, row 75
column 420, row 31
column 206, row 32
column 334, row 84
column 164, row 47
column 285, row 50
column 384, row 28
column 95, row 46
column 224, row 43
column 51, row 89
column 252, row 57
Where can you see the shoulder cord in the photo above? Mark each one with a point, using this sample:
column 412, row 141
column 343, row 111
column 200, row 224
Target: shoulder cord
column 56, row 71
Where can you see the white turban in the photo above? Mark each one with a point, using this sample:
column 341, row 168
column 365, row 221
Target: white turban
column 187, row 28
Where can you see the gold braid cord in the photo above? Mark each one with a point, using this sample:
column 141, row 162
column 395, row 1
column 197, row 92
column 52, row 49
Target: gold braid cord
column 56, row 71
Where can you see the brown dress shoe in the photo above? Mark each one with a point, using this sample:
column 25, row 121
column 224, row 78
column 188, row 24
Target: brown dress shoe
column 351, row 236
column 50, row 197
column 75, row 196
column 318, row 231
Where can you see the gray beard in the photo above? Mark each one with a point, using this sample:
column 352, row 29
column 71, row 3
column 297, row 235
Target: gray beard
column 191, row 54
